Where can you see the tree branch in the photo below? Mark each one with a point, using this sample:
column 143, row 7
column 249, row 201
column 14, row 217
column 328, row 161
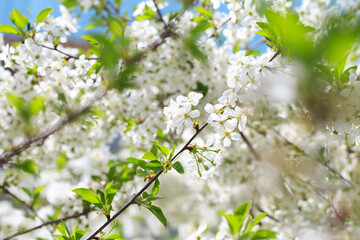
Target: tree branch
column 250, row 146
column 159, row 12
column 77, row 215
column 336, row 173
column 218, row 28
column 41, row 137
column 132, row 200
column 68, row 55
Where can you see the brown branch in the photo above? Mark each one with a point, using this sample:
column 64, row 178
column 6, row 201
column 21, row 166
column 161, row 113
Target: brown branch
column 159, row 12
column 275, row 55
column 68, row 55
column 77, row 215
column 132, row 200
column 41, row 137
column 7, row 191
column 250, row 146
column 336, row 173
column 219, row 27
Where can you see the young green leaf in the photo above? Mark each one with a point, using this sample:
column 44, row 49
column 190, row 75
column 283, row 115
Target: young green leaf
column 255, row 221
column 114, row 237
column 243, row 210
column 29, row 166
column 137, row 162
column 172, row 152
column 155, row 188
column 204, row 12
column 19, row 19
column 233, row 222
column 154, row 148
column 154, row 165
column 37, row 192
column 178, row 167
column 5, row 28
column 36, row 105
column 88, row 195
column 149, row 156
column 264, row 234
column 164, row 150
column 142, row 173
column 43, row 14
column 158, row 213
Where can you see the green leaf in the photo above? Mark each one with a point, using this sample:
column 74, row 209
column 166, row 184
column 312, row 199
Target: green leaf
column 148, row 14
column 154, row 165
column 199, row 29
column 163, row 149
column 88, row 195
column 79, row 234
column 204, row 12
column 252, row 52
column 339, row 68
column 62, row 228
column 155, row 188
column 37, row 192
column 149, row 156
column 114, row 237
column 29, row 166
column 243, row 210
column 110, row 191
column 172, row 152
column 36, row 105
column 202, row 88
column 233, row 222
column 255, row 221
column 5, row 28
column 19, row 19
column 154, row 149
column 247, row 236
column 43, row 14
column 142, row 173
column 264, row 234
column 137, row 162
column 178, row 167
column 27, row 191
column 158, row 213
column 60, row 237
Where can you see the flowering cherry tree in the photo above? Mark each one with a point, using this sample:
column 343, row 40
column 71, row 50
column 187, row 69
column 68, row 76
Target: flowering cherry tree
column 222, row 119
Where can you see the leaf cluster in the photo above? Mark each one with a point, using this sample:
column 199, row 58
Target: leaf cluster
column 102, row 200
column 284, row 32
column 241, row 224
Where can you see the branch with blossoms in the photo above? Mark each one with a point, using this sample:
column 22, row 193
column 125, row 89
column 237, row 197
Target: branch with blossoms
column 41, row 137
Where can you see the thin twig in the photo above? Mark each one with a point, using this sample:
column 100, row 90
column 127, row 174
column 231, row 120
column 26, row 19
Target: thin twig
column 336, row 173
column 5, row 157
column 68, row 55
column 77, row 215
column 275, row 55
column 250, row 146
column 7, row 191
column 132, row 200
column 218, row 28
column 159, row 12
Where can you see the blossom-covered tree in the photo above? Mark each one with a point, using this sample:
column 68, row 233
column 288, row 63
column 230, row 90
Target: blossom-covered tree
column 222, row 119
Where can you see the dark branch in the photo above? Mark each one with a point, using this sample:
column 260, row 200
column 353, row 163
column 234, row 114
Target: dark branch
column 68, row 55
column 77, row 215
column 159, row 12
column 250, row 146
column 275, row 55
column 41, row 137
column 219, row 27
column 337, row 174
column 132, row 200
